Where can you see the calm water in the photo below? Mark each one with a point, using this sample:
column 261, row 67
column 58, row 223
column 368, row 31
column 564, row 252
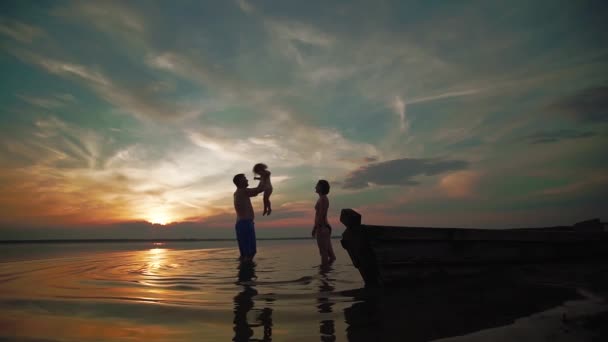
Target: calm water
column 195, row 291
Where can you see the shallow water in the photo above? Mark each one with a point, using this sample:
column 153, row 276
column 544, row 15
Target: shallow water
column 173, row 292
column 193, row 291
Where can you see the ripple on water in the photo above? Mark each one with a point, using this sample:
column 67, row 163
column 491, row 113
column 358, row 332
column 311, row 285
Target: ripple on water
column 181, row 277
column 206, row 292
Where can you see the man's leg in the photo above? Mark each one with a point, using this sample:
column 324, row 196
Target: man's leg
column 247, row 240
column 252, row 241
column 240, row 239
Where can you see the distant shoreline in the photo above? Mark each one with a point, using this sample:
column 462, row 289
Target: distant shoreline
column 50, row 241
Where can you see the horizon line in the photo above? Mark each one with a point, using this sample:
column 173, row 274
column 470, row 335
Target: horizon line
column 144, row 240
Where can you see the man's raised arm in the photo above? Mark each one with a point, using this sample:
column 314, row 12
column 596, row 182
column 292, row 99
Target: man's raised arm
column 252, row 192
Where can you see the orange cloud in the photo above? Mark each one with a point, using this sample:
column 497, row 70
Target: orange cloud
column 460, row 184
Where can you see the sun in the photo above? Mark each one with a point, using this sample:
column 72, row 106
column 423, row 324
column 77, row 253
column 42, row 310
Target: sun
column 159, row 218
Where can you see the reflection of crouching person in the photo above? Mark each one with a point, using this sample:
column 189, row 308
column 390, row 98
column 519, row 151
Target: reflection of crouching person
column 245, row 229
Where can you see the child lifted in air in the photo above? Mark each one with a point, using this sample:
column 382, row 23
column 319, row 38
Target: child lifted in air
column 264, row 176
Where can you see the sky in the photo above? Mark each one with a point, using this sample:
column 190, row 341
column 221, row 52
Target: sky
column 117, row 117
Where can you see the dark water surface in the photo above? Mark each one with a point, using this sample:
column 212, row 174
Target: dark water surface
column 197, row 291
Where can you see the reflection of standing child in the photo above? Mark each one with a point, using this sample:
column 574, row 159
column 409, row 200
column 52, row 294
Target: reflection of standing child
column 264, row 176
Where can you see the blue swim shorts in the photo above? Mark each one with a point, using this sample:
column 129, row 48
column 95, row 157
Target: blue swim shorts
column 245, row 234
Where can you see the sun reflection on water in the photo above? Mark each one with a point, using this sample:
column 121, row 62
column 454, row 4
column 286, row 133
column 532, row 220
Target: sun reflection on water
column 156, row 257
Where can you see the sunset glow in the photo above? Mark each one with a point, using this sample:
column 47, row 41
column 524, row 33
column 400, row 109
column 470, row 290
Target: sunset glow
column 159, row 218
column 505, row 116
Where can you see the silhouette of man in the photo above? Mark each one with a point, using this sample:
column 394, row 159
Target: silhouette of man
column 245, row 229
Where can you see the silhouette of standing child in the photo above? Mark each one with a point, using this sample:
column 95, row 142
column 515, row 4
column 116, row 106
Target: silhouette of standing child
column 264, row 176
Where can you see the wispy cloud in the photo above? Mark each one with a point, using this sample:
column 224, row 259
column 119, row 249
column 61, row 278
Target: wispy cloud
column 299, row 32
column 215, row 89
column 113, row 16
column 48, row 102
column 589, row 105
column 21, row 32
column 289, row 34
column 320, row 74
column 142, row 102
column 196, row 69
column 594, row 182
column 445, row 95
column 399, row 107
column 96, row 180
column 283, row 139
column 245, row 6
column 545, row 137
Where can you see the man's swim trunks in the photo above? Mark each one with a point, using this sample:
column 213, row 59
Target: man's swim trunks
column 245, row 234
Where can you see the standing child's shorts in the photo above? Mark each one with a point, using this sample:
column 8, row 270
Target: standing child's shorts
column 245, row 235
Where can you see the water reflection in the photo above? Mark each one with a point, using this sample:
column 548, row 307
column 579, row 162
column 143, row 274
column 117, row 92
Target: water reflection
column 152, row 293
column 324, row 304
column 433, row 311
column 155, row 259
column 244, row 303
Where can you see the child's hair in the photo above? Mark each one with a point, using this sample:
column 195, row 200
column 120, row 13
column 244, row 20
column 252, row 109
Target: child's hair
column 259, row 167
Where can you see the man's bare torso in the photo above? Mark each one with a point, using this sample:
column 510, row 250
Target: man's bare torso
column 242, row 205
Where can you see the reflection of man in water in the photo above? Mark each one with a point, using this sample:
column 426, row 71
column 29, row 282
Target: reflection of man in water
column 245, row 229
column 243, row 303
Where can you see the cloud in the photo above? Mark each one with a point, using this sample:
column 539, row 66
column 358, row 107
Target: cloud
column 199, row 70
column 589, row 105
column 95, row 180
column 142, row 102
column 245, row 6
column 19, row 31
column 400, row 171
column 143, row 36
column 399, row 107
column 281, row 133
column 299, row 32
column 448, row 94
column 303, row 91
column 460, row 184
column 140, row 91
column 291, row 36
column 283, row 139
column 399, row 104
column 47, row 102
column 592, row 182
column 107, row 16
column 545, row 137
column 319, row 74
